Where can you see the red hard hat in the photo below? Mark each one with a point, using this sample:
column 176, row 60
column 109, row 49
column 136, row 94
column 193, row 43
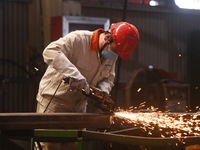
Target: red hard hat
column 125, row 37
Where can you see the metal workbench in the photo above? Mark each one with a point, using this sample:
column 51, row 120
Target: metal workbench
column 80, row 128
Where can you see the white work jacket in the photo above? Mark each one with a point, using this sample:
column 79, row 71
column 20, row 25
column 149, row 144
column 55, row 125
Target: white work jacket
column 70, row 56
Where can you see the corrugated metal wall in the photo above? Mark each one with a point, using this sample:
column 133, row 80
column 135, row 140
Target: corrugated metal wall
column 14, row 76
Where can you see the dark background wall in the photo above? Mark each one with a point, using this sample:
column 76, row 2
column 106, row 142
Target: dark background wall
column 194, row 55
column 168, row 41
column 13, row 73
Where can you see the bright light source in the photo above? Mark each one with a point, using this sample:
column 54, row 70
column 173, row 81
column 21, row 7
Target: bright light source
column 153, row 3
column 150, row 67
column 188, row 4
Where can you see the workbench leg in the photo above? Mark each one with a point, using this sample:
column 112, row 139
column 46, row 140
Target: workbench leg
column 32, row 144
column 82, row 146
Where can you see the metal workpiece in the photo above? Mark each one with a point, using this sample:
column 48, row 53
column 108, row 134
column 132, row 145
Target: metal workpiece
column 83, row 127
column 17, row 121
column 139, row 140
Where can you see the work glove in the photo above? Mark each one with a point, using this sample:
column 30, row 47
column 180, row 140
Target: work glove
column 75, row 84
column 100, row 99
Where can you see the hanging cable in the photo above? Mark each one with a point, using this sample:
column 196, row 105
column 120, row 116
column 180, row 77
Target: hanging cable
column 52, row 96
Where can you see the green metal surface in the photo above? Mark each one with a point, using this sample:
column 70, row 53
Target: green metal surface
column 56, row 133
column 60, row 135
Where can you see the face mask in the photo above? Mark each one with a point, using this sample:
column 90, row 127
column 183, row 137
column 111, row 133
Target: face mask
column 108, row 54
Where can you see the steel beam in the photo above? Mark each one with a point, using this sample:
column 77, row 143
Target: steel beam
column 19, row 121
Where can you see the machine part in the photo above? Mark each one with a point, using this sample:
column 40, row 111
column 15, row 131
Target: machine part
column 100, row 99
column 23, row 121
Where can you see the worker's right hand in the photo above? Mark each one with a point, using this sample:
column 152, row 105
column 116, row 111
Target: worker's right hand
column 75, row 84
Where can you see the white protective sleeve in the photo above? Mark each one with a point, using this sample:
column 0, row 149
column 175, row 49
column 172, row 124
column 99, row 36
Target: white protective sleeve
column 105, row 86
column 107, row 83
column 62, row 64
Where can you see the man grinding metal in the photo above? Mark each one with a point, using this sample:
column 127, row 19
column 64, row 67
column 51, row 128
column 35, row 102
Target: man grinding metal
column 77, row 61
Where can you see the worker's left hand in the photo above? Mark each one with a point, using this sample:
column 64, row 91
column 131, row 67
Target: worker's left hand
column 75, row 84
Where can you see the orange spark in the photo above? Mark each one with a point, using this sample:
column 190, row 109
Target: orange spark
column 168, row 124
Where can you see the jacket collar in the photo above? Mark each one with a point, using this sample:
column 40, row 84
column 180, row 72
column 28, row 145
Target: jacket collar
column 94, row 45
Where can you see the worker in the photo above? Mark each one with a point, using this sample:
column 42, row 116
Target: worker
column 80, row 59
